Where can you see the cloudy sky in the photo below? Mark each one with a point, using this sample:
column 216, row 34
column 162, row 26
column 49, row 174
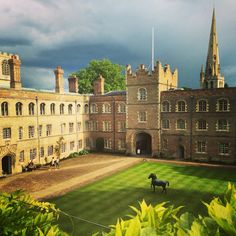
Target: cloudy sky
column 70, row 33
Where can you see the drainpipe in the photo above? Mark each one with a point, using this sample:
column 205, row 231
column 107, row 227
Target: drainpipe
column 114, row 123
column 76, row 126
column 37, row 117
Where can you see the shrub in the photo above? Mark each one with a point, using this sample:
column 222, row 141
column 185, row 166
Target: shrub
column 20, row 214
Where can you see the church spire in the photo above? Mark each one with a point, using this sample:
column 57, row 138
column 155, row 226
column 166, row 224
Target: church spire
column 213, row 78
column 213, row 59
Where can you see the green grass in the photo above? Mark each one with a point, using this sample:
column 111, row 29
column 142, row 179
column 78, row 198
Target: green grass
column 106, row 200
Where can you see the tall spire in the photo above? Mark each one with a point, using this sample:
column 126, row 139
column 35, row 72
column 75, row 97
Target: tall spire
column 212, row 77
column 213, row 59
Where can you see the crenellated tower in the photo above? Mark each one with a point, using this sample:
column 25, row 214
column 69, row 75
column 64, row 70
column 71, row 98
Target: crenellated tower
column 143, row 107
column 212, row 77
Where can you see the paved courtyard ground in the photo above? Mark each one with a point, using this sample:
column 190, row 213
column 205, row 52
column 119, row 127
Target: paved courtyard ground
column 73, row 173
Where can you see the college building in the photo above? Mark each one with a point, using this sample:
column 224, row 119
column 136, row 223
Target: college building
column 151, row 117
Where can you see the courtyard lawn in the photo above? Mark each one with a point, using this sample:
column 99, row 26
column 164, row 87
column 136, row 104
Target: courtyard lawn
column 106, row 200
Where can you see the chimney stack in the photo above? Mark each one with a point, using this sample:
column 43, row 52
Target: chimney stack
column 73, row 84
column 59, row 80
column 15, row 79
column 98, row 86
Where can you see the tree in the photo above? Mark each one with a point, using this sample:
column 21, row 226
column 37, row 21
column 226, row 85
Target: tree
column 58, row 147
column 112, row 73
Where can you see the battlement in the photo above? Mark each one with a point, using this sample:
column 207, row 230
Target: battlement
column 6, row 55
column 158, row 68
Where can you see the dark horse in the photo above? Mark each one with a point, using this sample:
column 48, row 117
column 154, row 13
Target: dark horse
column 156, row 182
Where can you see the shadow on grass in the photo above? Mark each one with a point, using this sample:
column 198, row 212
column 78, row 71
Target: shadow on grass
column 110, row 205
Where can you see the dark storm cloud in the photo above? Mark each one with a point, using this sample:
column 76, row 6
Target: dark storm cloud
column 6, row 42
column 70, row 33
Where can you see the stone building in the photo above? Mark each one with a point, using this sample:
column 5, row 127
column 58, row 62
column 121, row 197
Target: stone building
column 151, row 117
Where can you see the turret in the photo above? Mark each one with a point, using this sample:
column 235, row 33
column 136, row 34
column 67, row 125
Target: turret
column 59, row 80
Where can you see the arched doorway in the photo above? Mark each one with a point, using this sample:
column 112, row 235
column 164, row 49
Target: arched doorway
column 143, row 144
column 7, row 165
column 181, row 152
column 100, row 144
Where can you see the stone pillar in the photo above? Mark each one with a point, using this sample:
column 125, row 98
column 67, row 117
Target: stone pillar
column 98, row 86
column 59, row 80
column 73, row 84
column 15, row 79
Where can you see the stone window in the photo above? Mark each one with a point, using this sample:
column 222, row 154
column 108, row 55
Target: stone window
column 33, row 153
column 202, row 106
column 40, row 130
column 6, row 133
column 22, row 156
column 94, row 108
column 42, row 109
column 78, row 108
column 79, row 126
column 20, row 132
column 165, row 124
column 31, row 131
column 181, row 124
column 72, row 145
column 31, row 109
column 121, row 144
column 142, row 94
column 86, row 125
column 62, row 109
column 19, row 109
column 142, row 116
column 70, row 109
column 63, row 147
column 52, row 109
column 86, row 108
column 41, row 151
column 4, row 109
column 121, row 126
column 63, row 128
column 71, row 127
column 224, row 148
column 201, row 125
column 222, row 105
column 165, row 106
column 222, row 125
column 94, row 125
column 106, row 108
column 107, row 143
column 121, row 108
column 48, row 130
column 181, row 106
column 201, row 147
column 5, row 67
column 106, row 126
column 50, row 150
column 80, row 143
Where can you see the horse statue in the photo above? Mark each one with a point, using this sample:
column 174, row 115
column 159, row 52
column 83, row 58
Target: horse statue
column 156, row 182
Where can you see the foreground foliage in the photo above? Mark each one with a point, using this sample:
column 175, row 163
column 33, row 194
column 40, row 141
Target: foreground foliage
column 165, row 220
column 20, row 214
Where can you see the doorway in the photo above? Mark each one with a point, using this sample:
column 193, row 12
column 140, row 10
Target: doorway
column 100, row 144
column 7, row 165
column 143, row 144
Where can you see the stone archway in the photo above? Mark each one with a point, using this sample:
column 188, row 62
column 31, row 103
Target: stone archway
column 181, row 152
column 7, row 162
column 143, row 144
column 100, row 144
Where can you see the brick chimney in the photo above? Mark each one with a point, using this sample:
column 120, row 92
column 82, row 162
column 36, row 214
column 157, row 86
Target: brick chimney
column 59, row 80
column 98, row 86
column 15, row 79
column 73, row 84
